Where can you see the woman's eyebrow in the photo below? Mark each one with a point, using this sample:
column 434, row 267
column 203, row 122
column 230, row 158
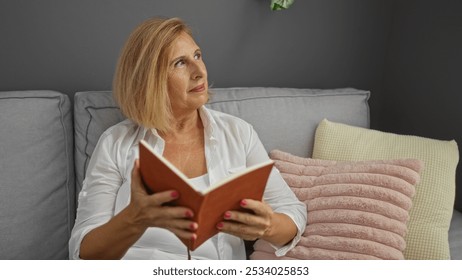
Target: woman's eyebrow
column 183, row 56
column 177, row 59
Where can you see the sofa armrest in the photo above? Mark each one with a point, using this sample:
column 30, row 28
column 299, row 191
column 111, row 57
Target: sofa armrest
column 455, row 236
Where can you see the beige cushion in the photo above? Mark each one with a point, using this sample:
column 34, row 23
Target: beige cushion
column 356, row 210
column 432, row 208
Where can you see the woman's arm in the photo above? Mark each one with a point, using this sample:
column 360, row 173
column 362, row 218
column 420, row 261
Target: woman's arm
column 280, row 219
column 276, row 228
column 112, row 239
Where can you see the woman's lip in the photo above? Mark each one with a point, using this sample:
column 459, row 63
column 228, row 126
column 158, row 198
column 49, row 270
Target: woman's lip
column 199, row 88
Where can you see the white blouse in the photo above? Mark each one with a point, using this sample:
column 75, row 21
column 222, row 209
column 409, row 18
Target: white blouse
column 231, row 145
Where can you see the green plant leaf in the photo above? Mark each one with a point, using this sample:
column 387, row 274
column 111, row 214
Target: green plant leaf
column 277, row 5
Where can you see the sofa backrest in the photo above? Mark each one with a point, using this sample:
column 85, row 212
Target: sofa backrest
column 37, row 190
column 284, row 118
column 94, row 112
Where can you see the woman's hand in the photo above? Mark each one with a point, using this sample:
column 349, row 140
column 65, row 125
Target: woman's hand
column 150, row 210
column 258, row 223
column 112, row 239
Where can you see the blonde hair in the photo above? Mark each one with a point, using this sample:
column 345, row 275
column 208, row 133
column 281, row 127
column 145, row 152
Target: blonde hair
column 140, row 81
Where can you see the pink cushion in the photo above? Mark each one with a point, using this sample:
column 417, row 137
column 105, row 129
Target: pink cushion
column 356, row 210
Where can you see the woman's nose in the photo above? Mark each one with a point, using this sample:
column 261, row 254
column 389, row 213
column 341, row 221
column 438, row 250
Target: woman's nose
column 199, row 70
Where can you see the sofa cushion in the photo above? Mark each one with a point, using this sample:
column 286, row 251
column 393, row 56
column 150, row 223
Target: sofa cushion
column 94, row 112
column 433, row 203
column 37, row 197
column 356, row 210
column 284, row 118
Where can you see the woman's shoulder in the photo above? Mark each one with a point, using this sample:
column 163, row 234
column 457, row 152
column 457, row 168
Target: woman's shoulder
column 121, row 132
column 122, row 127
column 231, row 126
column 221, row 117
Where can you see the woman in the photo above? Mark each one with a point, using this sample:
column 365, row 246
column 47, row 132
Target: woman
column 161, row 86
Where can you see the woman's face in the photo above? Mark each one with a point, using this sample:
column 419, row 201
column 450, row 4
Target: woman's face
column 187, row 76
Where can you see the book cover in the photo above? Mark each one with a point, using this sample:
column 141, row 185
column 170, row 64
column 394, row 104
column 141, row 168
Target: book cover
column 209, row 206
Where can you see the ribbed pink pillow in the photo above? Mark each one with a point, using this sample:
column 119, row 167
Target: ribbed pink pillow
column 356, row 210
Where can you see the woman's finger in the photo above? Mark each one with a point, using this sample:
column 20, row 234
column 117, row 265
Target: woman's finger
column 258, row 207
column 240, row 230
column 164, row 197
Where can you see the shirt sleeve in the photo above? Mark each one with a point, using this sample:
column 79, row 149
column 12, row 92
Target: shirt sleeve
column 277, row 193
column 97, row 198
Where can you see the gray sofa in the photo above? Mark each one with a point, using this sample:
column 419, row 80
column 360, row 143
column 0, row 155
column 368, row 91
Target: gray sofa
column 46, row 141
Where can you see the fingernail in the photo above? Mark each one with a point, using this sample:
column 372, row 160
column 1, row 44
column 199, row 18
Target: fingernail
column 174, row 194
column 220, row 225
column 243, row 202
column 193, row 237
column 227, row 215
column 193, row 226
column 188, row 214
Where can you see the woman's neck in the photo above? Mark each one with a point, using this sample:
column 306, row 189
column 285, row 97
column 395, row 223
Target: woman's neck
column 186, row 127
column 184, row 146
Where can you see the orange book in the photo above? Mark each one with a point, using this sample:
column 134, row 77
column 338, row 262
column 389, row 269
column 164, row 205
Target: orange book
column 208, row 205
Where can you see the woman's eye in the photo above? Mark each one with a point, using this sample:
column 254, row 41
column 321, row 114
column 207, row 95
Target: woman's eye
column 179, row 63
column 197, row 56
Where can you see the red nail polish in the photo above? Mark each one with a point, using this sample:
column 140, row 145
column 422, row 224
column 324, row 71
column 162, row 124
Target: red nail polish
column 220, row 225
column 243, row 202
column 227, row 215
column 174, row 194
column 193, row 237
column 188, row 214
column 193, row 226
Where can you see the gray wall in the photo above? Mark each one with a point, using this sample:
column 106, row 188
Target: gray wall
column 423, row 78
column 72, row 46
column 407, row 52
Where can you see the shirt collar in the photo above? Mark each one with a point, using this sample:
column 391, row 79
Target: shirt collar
column 209, row 123
column 207, row 120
